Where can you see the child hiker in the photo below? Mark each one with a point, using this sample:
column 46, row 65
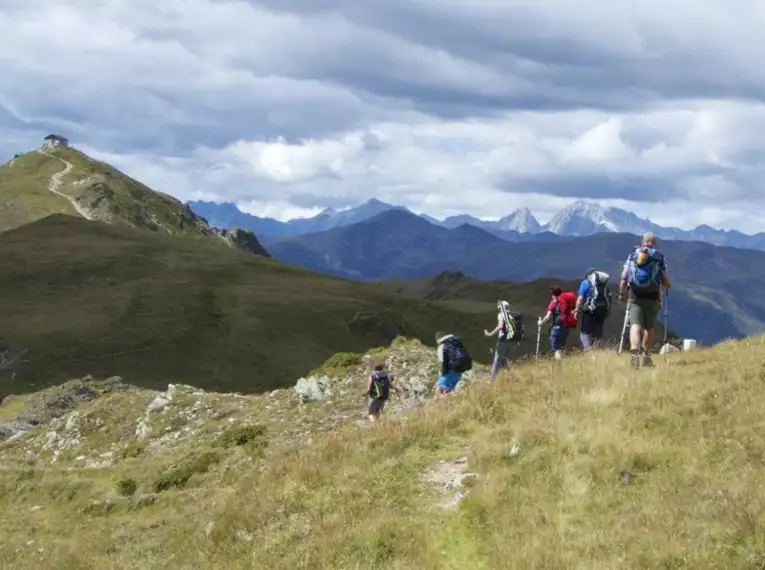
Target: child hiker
column 378, row 390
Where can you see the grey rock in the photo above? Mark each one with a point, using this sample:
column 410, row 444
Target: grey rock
column 13, row 430
column 146, row 500
column 314, row 388
column 97, row 507
column 115, row 382
column 157, row 403
column 55, row 402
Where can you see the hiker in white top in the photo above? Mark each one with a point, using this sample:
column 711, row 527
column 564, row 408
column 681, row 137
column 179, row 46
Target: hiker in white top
column 506, row 333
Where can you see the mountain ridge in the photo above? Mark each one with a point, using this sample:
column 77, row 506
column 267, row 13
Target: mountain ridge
column 578, row 219
column 60, row 179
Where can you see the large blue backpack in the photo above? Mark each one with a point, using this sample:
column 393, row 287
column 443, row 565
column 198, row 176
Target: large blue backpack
column 644, row 271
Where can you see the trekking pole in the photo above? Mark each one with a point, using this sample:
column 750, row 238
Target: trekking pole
column 624, row 326
column 539, row 336
column 666, row 315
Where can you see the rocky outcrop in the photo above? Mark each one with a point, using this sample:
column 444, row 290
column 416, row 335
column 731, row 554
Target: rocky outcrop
column 54, row 420
column 242, row 239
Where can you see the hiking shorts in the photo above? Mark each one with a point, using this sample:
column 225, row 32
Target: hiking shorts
column 643, row 312
column 558, row 337
column 376, row 406
column 448, row 381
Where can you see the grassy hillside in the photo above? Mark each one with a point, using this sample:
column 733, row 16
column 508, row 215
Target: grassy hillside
column 585, row 465
column 101, row 193
column 81, row 297
column 711, row 299
column 24, row 194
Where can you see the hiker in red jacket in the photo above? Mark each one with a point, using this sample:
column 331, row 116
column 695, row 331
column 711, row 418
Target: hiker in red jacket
column 561, row 312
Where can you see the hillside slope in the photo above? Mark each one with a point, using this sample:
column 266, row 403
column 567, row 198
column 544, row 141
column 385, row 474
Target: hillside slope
column 711, row 299
column 579, row 464
column 80, row 297
column 66, row 181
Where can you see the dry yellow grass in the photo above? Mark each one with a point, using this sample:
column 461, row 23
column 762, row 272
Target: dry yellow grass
column 658, row 468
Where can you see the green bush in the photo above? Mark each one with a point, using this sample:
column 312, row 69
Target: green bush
column 127, row 487
column 338, row 364
column 133, row 449
column 179, row 476
column 242, row 435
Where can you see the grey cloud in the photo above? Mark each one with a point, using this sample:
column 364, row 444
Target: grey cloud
column 151, row 80
column 594, row 187
column 604, row 60
column 313, row 200
column 704, row 184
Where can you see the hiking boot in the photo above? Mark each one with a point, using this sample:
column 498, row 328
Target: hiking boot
column 647, row 360
column 635, row 362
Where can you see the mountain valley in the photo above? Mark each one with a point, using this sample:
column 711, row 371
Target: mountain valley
column 398, row 244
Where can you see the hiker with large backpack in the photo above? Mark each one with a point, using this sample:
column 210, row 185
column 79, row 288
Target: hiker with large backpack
column 593, row 304
column 509, row 331
column 643, row 278
column 561, row 312
column 378, row 390
column 453, row 359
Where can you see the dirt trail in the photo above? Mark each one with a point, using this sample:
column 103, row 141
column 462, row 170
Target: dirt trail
column 55, row 182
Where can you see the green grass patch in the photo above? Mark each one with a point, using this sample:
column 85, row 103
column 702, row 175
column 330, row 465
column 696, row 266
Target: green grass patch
column 178, row 476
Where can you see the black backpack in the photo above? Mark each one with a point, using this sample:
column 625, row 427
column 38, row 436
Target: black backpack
column 600, row 300
column 380, row 386
column 458, row 358
column 514, row 331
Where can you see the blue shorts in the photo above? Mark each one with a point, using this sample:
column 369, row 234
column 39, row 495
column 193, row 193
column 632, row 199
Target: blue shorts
column 558, row 337
column 449, row 380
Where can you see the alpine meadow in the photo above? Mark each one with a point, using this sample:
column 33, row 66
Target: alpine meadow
column 338, row 285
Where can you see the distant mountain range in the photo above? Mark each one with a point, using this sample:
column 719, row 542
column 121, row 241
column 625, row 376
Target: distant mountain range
column 711, row 297
column 581, row 218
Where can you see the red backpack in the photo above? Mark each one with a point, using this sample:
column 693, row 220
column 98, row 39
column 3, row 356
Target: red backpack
column 564, row 310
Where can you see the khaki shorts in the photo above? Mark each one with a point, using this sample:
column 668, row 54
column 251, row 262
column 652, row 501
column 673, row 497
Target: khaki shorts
column 643, row 312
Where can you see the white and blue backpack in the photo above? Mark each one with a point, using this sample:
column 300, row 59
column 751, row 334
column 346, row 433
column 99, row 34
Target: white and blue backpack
column 600, row 296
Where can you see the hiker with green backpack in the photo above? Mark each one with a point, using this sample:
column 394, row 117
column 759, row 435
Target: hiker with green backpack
column 643, row 279
column 509, row 331
column 378, row 390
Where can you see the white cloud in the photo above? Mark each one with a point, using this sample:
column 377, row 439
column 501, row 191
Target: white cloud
column 445, row 107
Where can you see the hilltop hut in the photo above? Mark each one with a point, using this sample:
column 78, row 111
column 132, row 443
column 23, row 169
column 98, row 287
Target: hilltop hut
column 55, row 141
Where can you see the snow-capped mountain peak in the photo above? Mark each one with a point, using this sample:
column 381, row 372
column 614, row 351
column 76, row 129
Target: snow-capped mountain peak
column 521, row 220
column 583, row 218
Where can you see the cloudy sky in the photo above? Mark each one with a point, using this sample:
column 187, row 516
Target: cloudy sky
column 289, row 106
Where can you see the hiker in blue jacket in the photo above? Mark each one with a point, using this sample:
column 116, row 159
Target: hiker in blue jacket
column 593, row 303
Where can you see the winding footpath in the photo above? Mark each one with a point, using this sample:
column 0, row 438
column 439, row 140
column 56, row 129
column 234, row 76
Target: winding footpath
column 55, row 182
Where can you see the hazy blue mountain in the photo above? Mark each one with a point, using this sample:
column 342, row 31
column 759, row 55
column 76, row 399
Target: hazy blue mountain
column 710, row 302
